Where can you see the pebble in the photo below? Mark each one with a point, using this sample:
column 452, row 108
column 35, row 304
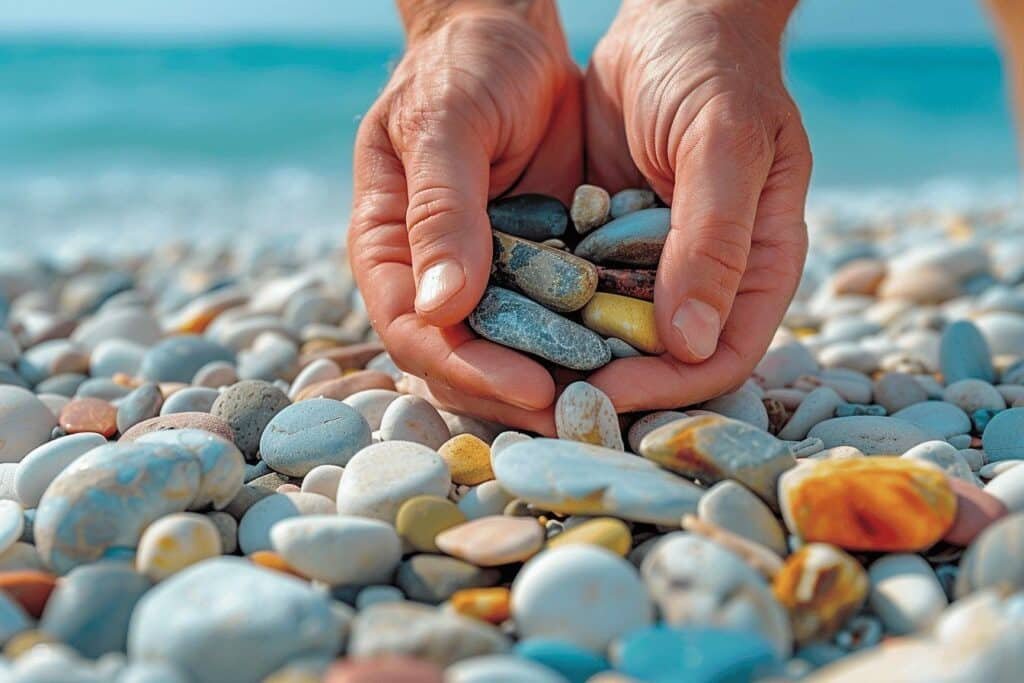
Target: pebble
column 1008, row 488
column 552, row 597
column 576, row 664
column 905, row 593
column 175, row 542
column 247, row 407
column 37, row 469
column 534, row 217
column 215, row 374
column 486, row 499
column 323, row 479
column 549, row 276
column 973, row 394
column 88, row 415
column 730, row 506
column 468, row 459
column 816, row 407
column 696, row 582
column 943, row 455
column 195, row 621
column 227, row 529
column 994, row 558
column 630, row 200
column 221, row 467
column 637, row 283
column 512, row 320
column 1004, row 332
column 352, row 383
column 492, row 541
column 25, row 423
column 782, row 365
column 371, row 404
column 1002, row 438
column 648, row 423
column 897, row 390
column 378, row 670
column 695, row 654
column 964, row 353
column 320, row 370
column 584, row 413
column 319, row 431
column 821, row 587
column 872, row 504
column 338, row 550
column 743, row 405
column 583, row 479
column 410, row 418
column 422, row 518
column 605, row 532
column 141, row 404
column 379, row 478
column 871, row 435
column 178, row 359
column 190, row 400
column 500, row 668
column 493, row 605
column 258, row 521
column 635, row 239
column 631, row 320
column 435, row 578
column 712, row 448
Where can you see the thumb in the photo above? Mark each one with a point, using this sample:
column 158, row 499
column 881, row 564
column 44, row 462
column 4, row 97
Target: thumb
column 719, row 176
column 447, row 175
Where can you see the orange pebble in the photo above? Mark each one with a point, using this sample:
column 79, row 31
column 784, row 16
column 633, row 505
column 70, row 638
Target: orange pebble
column 492, row 605
column 271, row 560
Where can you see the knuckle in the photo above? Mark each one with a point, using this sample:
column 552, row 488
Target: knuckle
column 723, row 246
column 434, row 213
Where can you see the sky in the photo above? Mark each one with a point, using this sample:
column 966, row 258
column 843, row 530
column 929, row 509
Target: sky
column 816, row 21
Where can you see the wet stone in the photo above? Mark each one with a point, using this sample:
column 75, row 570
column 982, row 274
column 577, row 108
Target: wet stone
column 635, row 283
column 560, row 281
column 635, row 239
column 534, row 217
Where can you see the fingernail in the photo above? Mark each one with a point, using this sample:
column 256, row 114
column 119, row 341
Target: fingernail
column 439, row 283
column 699, row 325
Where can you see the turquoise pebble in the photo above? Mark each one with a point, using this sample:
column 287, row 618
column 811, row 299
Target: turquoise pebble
column 1002, row 438
column 635, row 239
column 696, row 655
column 177, row 359
column 319, row 431
column 572, row 661
column 853, row 409
column 981, row 417
column 964, row 354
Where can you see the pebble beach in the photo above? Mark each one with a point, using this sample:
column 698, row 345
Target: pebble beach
column 212, row 472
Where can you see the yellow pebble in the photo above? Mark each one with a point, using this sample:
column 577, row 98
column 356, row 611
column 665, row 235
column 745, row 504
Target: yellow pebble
column 468, row 459
column 607, row 532
column 174, row 542
column 422, row 518
column 629, row 319
column 492, row 605
column 25, row 641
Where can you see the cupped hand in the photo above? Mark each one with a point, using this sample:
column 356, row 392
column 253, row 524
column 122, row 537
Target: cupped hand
column 485, row 101
column 687, row 97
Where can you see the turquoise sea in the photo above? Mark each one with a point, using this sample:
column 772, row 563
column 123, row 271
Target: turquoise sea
column 129, row 142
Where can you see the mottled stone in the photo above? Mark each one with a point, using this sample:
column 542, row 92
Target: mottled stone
column 512, row 320
column 531, row 216
column 873, row 504
column 637, row 283
column 174, row 542
column 468, row 459
column 89, row 415
column 635, row 239
column 248, row 407
column 648, row 423
column 549, row 276
column 821, row 586
column 202, row 421
column 221, row 466
column 712, row 448
column 628, row 319
column 584, row 413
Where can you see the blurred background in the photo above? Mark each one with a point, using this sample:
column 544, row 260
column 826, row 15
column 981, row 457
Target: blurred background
column 123, row 122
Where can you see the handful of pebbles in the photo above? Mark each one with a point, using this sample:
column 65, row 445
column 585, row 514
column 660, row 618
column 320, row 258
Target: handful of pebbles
column 576, row 298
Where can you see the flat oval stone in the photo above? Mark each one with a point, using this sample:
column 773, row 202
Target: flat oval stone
column 549, row 276
column 196, row 621
column 422, row 518
column 371, row 404
column 872, row 504
column 25, row 423
column 500, row 667
column 939, row 419
column 37, row 469
column 606, row 532
column 905, row 593
column 512, row 320
column 696, row 582
column 221, row 466
column 174, row 542
column 1003, row 438
column 973, row 394
column 162, row 423
column 964, row 353
column 435, row 578
column 486, row 499
column 552, row 597
column 584, row 413
column 468, row 459
column 89, row 415
column 1008, row 487
column 695, row 654
column 635, row 239
column 628, row 319
column 897, row 390
column 630, row 200
column 637, row 283
column 255, row 526
column 713, row 448
column 190, row 400
column 995, row 558
column 976, row 510
column 320, row 431
column 29, row 588
column 108, row 497
column 248, row 407
column 730, row 506
column 338, row 550
column 91, row 607
column 410, row 418
column 493, row 541
column 821, row 587
column 379, row 478
column 493, row 605
column 870, row 434
column 141, row 404
column 341, row 388
column 534, row 217
column 578, row 478
column 177, row 359
column 818, row 406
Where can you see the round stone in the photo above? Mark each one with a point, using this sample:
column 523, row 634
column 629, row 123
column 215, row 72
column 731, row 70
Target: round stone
column 939, row 419
column 532, row 216
column 42, row 465
column 371, row 404
column 486, row 499
column 323, row 479
column 584, row 413
column 89, row 415
column 319, row 370
column 973, row 394
column 221, row 466
column 379, row 478
column 216, row 374
column 493, row 605
column 493, row 541
column 905, row 593
column 190, row 400
column 552, row 597
column 25, row 423
column 995, row 558
column 141, row 404
column 590, row 207
column 338, row 550
column 319, row 431
column 631, row 320
column 896, row 390
column 468, row 459
column 422, row 518
column 1008, row 488
column 12, row 523
column 201, row 421
column 731, row 506
column 248, row 407
column 605, row 532
column 630, row 200
column 255, row 526
column 964, row 353
column 410, row 418
column 177, row 359
column 175, row 542
column 818, row 406
column 743, row 405
column 1002, row 438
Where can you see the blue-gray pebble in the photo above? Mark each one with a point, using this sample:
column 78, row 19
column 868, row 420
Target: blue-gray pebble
column 636, row 239
column 319, row 431
column 964, row 354
column 177, row 359
column 1004, row 436
column 534, row 217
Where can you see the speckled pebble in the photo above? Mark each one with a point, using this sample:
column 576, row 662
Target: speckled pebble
column 584, row 413
column 174, row 542
column 248, row 407
column 410, row 418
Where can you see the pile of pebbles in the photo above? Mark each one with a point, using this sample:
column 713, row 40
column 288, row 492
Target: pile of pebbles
column 574, row 297
column 210, row 471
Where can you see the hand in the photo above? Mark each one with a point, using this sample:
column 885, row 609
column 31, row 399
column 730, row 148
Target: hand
column 486, row 99
column 686, row 96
